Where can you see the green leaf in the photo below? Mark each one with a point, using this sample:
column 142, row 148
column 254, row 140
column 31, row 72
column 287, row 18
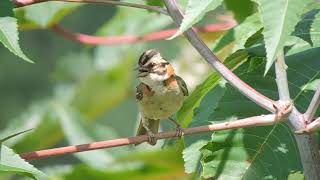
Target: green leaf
column 48, row 13
column 313, row 85
column 279, row 18
column 6, row 8
column 192, row 101
column 239, row 34
column 155, row 3
column 12, row 162
column 9, row 36
column 258, row 152
column 240, row 10
column 192, row 155
column 77, row 131
column 196, row 9
column 308, row 28
column 13, row 135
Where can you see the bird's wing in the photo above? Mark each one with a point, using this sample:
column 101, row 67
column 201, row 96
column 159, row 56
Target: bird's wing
column 139, row 92
column 182, row 85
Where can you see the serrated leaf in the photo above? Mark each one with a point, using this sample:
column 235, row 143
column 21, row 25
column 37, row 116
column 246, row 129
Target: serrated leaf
column 9, row 36
column 308, row 28
column 192, row 101
column 279, row 18
column 191, row 156
column 10, row 161
column 48, row 13
column 259, row 152
column 239, row 34
column 196, row 9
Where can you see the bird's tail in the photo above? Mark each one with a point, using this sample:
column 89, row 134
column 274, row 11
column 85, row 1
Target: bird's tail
column 152, row 124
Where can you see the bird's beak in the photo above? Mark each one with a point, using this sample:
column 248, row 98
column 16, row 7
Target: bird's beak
column 142, row 71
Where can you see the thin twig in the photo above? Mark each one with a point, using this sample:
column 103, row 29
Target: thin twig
column 314, row 104
column 21, row 3
column 154, row 36
column 263, row 120
column 206, row 53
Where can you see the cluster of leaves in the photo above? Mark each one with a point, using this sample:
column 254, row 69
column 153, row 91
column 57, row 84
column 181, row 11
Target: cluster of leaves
column 88, row 92
column 254, row 152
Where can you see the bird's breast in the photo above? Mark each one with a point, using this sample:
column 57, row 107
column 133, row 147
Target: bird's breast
column 162, row 105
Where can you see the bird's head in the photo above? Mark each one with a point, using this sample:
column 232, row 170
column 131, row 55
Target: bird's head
column 153, row 68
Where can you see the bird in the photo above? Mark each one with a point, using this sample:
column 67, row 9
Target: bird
column 160, row 93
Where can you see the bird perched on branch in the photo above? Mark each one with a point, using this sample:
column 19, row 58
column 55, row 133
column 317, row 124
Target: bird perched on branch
column 160, row 93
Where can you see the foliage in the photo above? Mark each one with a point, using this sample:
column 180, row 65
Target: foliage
column 77, row 94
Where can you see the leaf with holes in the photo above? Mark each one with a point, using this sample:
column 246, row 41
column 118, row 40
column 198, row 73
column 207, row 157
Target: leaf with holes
column 258, row 152
column 196, row 9
column 9, row 36
column 279, row 19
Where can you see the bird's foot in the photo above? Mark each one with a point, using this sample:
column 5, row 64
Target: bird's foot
column 152, row 140
column 179, row 131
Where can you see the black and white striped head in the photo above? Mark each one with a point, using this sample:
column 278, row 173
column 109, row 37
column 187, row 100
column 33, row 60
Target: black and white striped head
column 152, row 67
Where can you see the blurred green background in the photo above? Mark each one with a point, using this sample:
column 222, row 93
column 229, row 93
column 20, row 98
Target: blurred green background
column 76, row 93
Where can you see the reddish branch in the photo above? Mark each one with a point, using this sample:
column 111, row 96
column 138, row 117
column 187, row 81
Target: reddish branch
column 126, row 39
column 263, row 120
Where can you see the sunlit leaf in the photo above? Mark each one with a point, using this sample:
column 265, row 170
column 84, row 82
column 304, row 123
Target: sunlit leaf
column 240, row 34
column 258, row 152
column 196, row 9
column 12, row 162
column 308, row 28
column 279, row 18
column 9, row 36
column 192, row 155
column 193, row 100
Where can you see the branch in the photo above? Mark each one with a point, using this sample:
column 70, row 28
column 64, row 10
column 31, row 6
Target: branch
column 314, row 104
column 21, row 3
column 154, row 36
column 312, row 127
column 263, row 120
column 206, row 53
column 281, row 77
column 308, row 146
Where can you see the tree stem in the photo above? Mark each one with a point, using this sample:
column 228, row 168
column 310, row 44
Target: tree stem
column 314, row 104
column 307, row 144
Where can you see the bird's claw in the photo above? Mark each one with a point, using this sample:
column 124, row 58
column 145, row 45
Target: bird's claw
column 152, row 140
column 179, row 131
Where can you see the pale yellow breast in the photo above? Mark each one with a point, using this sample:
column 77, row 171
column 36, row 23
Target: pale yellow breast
column 162, row 105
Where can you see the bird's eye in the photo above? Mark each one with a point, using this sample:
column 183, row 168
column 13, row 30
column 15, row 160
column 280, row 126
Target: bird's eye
column 152, row 64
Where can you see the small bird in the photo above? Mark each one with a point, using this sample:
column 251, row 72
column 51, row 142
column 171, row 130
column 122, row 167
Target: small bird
column 160, row 93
